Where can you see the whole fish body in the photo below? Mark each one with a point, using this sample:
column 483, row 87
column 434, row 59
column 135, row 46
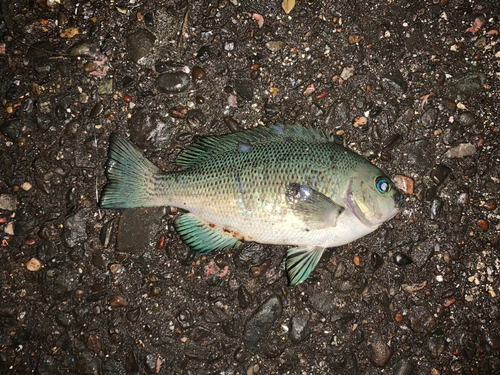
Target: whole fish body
column 287, row 185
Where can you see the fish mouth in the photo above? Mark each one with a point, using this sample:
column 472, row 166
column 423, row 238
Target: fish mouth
column 399, row 200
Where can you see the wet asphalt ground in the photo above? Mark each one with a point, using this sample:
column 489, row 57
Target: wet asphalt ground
column 412, row 86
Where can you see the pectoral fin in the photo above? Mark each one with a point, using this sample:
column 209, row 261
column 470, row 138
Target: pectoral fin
column 202, row 236
column 316, row 209
column 300, row 261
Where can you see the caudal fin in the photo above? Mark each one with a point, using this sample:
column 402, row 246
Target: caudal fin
column 131, row 177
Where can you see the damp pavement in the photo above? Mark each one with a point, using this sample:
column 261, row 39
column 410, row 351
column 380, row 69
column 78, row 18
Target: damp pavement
column 412, row 86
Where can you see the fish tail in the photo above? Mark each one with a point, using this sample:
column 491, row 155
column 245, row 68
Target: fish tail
column 132, row 179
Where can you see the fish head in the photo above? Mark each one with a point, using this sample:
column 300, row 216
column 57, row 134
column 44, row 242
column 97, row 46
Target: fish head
column 372, row 196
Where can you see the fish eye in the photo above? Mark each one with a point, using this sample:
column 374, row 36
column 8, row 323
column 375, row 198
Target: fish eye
column 382, row 185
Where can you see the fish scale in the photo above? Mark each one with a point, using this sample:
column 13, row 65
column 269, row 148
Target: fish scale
column 286, row 185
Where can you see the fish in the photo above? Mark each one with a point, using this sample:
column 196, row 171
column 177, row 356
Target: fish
column 275, row 184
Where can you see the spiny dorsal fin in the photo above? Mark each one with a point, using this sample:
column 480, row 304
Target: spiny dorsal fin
column 216, row 145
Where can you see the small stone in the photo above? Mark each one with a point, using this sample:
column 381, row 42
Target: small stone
column 229, row 45
column 262, row 320
column 117, row 301
column 203, row 54
column 461, row 151
column 360, row 121
column 258, row 271
column 139, row 45
column 8, row 202
column 244, row 88
column 401, row 259
column 490, row 205
column 403, row 183
column 381, row 352
column 483, row 223
column 422, row 321
column 429, row 118
column 436, row 346
column 439, row 173
column 94, row 343
column 466, row 119
column 178, row 112
column 357, row 261
column 173, row 82
column 105, row 87
column 436, row 207
column 398, row 318
column 198, row 75
column 354, row 38
column 26, row 186
column 34, row 265
column 275, row 46
column 96, row 110
column 70, row 33
column 347, row 73
column 298, row 329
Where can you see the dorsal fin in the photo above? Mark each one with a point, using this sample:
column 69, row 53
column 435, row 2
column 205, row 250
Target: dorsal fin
column 215, row 145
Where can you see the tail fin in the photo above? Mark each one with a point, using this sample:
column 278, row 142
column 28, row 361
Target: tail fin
column 131, row 177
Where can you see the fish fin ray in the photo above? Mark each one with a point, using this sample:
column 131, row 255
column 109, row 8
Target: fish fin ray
column 202, row 237
column 300, row 261
column 130, row 176
column 210, row 146
column 316, row 209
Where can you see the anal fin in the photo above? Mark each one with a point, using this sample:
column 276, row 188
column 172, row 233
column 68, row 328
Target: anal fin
column 201, row 236
column 300, row 261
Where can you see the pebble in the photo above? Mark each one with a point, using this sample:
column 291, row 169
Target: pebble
column 244, row 297
column 404, row 367
column 436, row 207
column 359, row 121
column 34, row 265
column 395, row 83
column 198, row 75
column 173, row 82
column 439, row 173
column 94, row 343
column 75, row 231
column 274, row 45
column 354, row 38
column 258, row 271
column 244, row 88
column 139, row 45
column 466, row 119
column 298, row 329
column 229, row 45
column 105, row 87
column 491, row 205
column 461, row 151
column 423, row 252
column 422, row 321
column 262, row 321
column 96, row 110
column 347, row 73
column 429, row 118
column 403, row 183
column 254, row 369
column 240, row 354
column 178, row 112
column 117, row 301
column 323, row 303
column 203, row 54
column 401, row 259
column 26, row 186
column 436, row 346
column 483, row 223
column 8, row 202
column 16, row 128
column 381, row 352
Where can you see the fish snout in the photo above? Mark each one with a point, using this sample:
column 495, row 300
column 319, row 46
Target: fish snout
column 399, row 199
